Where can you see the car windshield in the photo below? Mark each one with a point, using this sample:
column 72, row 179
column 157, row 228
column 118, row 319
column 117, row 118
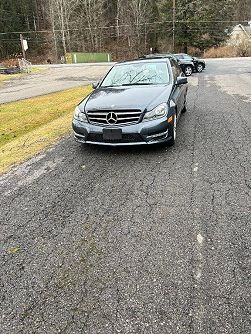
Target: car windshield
column 142, row 73
column 187, row 57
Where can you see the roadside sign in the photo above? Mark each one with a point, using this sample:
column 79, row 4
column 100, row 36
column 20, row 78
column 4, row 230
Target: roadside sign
column 25, row 44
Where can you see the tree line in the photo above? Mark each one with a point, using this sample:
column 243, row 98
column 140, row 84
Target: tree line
column 122, row 27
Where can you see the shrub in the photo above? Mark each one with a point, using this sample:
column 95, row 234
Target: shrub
column 228, row 51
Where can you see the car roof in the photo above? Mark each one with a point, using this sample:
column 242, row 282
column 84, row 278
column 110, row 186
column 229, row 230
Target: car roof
column 157, row 56
column 144, row 59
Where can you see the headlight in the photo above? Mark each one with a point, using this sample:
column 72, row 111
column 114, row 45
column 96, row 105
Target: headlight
column 80, row 115
column 158, row 112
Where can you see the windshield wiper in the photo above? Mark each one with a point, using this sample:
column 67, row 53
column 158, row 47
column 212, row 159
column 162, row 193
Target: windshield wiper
column 134, row 84
column 138, row 84
column 110, row 86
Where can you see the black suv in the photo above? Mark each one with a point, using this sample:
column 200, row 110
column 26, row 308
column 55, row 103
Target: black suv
column 187, row 66
column 198, row 64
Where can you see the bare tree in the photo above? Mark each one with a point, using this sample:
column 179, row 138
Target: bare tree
column 92, row 19
column 60, row 18
column 140, row 15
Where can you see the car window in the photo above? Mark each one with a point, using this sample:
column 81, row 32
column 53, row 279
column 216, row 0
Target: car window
column 187, row 57
column 178, row 69
column 142, row 73
column 175, row 68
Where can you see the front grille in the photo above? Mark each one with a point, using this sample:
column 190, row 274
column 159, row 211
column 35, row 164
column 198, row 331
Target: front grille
column 126, row 138
column 114, row 117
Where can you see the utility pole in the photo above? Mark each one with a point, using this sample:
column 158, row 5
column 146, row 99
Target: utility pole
column 174, row 16
column 22, row 44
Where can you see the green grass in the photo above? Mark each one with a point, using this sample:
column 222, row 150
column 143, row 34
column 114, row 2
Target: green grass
column 6, row 77
column 28, row 126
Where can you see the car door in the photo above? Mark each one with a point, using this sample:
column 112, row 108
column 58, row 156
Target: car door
column 183, row 89
column 178, row 90
column 190, row 58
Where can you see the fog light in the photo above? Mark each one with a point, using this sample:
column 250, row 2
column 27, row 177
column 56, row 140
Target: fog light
column 161, row 134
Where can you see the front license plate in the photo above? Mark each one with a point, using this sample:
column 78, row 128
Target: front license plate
column 112, row 134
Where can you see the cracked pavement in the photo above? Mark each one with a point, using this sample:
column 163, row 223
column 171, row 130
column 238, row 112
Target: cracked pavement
column 147, row 240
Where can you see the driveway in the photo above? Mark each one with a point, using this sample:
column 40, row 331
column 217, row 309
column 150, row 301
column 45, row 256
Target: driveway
column 149, row 240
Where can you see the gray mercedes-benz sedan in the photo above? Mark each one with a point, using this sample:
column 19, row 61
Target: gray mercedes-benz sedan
column 137, row 102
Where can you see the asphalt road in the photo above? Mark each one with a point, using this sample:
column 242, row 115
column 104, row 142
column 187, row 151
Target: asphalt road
column 52, row 78
column 56, row 78
column 149, row 240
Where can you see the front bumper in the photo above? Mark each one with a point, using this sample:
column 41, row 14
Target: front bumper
column 143, row 133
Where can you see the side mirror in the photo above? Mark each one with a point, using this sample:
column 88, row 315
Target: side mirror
column 95, row 85
column 181, row 81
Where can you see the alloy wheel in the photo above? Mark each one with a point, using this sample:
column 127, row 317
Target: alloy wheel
column 199, row 68
column 188, row 71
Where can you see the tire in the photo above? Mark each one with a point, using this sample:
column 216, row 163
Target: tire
column 172, row 140
column 184, row 108
column 188, row 70
column 199, row 67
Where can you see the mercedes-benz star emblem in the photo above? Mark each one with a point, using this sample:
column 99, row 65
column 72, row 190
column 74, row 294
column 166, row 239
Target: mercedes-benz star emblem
column 111, row 118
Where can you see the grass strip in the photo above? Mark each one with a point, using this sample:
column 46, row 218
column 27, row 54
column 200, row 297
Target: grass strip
column 29, row 126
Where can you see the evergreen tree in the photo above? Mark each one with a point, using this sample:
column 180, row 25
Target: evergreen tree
column 15, row 16
column 124, row 27
column 198, row 23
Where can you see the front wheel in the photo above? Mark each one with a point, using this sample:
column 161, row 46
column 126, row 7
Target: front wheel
column 199, row 68
column 184, row 108
column 188, row 70
column 173, row 130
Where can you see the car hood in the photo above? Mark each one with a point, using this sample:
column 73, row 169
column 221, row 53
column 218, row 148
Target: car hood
column 131, row 97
